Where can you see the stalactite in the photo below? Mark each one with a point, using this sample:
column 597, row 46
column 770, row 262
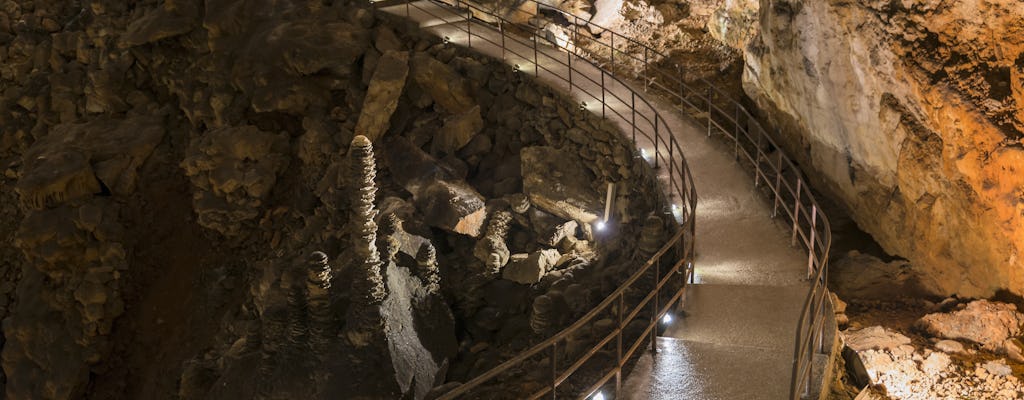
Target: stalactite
column 492, row 249
column 363, row 318
column 426, row 258
column 318, row 284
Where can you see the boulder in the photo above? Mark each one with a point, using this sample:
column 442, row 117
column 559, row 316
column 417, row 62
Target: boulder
column 444, row 201
column 556, row 182
column 382, row 96
column 950, row 346
column 984, row 322
column 442, row 83
column 874, row 338
column 865, row 277
column 458, row 130
column 529, row 270
column 169, row 20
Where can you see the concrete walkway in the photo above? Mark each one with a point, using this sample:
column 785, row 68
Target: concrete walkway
column 736, row 339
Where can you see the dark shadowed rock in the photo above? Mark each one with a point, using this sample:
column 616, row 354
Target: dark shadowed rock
column 531, row 269
column 557, row 182
column 459, row 130
column 445, row 202
column 442, row 83
column 382, row 96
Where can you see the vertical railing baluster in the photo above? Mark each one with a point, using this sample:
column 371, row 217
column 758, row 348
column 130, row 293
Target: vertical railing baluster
column 736, row 133
column 618, row 347
column 632, row 108
column 778, row 185
column 646, row 76
column 709, row 111
column 810, row 250
column 602, row 93
column 536, row 65
column 656, row 300
column 796, row 210
column 757, row 159
column 501, row 30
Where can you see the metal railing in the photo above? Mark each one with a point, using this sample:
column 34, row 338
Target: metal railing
column 629, row 316
column 706, row 103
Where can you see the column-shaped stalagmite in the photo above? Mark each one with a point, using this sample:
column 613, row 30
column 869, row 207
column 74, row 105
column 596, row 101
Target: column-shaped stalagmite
column 298, row 311
column 318, row 284
column 492, row 249
column 426, row 258
column 363, row 318
column 389, row 246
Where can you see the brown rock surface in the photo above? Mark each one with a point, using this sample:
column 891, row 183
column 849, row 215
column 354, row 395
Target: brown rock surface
column 984, row 322
column 382, row 96
column 556, row 182
column 910, row 114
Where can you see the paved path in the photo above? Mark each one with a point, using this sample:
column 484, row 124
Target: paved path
column 736, row 340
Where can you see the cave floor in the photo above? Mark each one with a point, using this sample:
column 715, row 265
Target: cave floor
column 736, row 339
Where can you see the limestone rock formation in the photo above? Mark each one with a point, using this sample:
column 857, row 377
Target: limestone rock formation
column 910, row 114
column 987, row 323
column 382, row 96
column 556, row 182
column 491, row 249
column 233, row 169
column 449, row 90
column 445, row 202
column 530, row 269
column 364, row 317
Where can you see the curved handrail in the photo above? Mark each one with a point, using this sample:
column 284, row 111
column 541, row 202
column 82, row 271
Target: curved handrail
column 666, row 150
column 804, row 215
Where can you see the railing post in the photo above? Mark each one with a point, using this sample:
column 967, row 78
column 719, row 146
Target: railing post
column 632, row 108
column 568, row 57
column 672, row 162
column 618, row 347
column 536, row 65
column 810, row 250
column 501, row 30
column 796, row 210
column 602, row 93
column 757, row 160
column 654, row 314
column 709, row 111
column 778, row 185
column 736, row 133
column 469, row 28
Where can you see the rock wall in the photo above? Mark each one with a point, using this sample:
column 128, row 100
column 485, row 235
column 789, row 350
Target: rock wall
column 911, row 114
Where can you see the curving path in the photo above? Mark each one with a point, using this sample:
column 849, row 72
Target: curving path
column 736, row 338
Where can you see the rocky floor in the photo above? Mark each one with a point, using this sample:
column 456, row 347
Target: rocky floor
column 916, row 349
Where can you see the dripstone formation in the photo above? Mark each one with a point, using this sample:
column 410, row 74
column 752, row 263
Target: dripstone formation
column 255, row 199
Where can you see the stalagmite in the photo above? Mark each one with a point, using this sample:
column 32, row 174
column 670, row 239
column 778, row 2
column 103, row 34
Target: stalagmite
column 318, row 284
column 652, row 237
column 426, row 258
column 492, row 249
column 390, row 244
column 368, row 292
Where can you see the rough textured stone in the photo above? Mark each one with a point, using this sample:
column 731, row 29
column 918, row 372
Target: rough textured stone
column 909, row 113
column 874, row 338
column 531, row 269
column 986, row 323
column 442, row 83
column 382, row 96
column 446, row 202
column 557, row 183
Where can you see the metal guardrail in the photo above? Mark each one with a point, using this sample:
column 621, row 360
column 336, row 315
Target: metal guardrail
column 752, row 145
column 652, row 290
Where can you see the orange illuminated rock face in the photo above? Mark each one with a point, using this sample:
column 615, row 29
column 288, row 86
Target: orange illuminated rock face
column 912, row 115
